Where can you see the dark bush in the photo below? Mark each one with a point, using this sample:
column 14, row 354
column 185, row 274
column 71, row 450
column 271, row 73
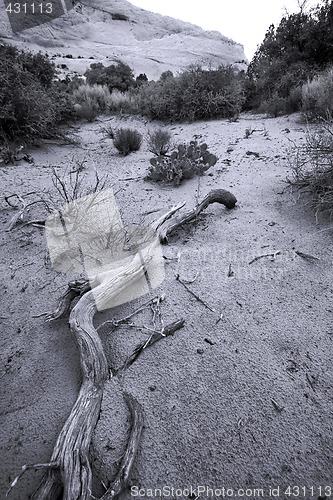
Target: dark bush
column 196, row 94
column 116, row 76
column 119, row 17
column 290, row 54
column 127, row 140
column 31, row 105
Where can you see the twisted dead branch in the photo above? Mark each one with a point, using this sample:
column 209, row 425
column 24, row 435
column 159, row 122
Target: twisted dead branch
column 69, row 472
column 215, row 196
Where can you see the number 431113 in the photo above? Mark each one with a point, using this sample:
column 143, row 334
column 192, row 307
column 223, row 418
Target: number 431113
column 29, row 8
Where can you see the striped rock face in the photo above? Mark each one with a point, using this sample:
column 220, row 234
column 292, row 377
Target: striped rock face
column 25, row 15
column 114, row 30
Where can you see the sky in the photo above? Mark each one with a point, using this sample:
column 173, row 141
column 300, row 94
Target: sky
column 245, row 21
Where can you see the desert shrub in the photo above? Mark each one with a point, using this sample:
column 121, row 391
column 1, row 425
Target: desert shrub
column 196, row 94
column 185, row 162
column 86, row 111
column 275, row 106
column 94, row 96
column 312, row 168
column 317, row 96
column 159, row 141
column 127, row 140
column 141, row 79
column 165, row 75
column 31, row 104
column 117, row 16
column 116, row 76
column 122, row 102
column 291, row 53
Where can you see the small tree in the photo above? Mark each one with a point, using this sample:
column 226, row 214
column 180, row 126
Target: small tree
column 116, row 76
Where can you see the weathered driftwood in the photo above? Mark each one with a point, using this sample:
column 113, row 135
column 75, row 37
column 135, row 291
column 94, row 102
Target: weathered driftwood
column 215, row 196
column 69, row 470
column 120, row 483
column 71, row 451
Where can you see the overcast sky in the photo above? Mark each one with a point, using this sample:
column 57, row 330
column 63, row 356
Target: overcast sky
column 245, row 21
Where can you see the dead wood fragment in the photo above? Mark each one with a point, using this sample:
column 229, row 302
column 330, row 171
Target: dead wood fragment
column 277, row 406
column 75, row 289
column 26, row 467
column 194, row 294
column 168, row 330
column 215, row 196
column 306, row 256
column 72, row 447
column 274, row 254
column 120, row 484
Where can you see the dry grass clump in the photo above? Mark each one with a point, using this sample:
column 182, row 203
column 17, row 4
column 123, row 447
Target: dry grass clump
column 313, row 168
column 159, row 141
column 127, row 140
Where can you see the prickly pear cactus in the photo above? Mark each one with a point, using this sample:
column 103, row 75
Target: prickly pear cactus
column 186, row 161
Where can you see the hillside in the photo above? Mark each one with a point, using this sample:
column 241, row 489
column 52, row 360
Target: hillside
column 115, row 29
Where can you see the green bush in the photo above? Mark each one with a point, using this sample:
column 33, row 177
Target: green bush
column 159, row 142
column 122, row 102
column 127, row 140
column 196, row 94
column 96, row 97
column 317, row 96
column 185, row 162
column 116, row 76
column 31, row 104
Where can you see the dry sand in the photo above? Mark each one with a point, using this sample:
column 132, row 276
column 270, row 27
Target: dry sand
column 208, row 392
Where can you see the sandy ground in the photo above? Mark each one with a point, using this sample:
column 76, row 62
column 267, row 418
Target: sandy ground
column 238, row 398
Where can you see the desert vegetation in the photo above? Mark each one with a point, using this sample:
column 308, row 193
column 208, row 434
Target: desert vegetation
column 312, row 168
column 183, row 163
column 291, row 71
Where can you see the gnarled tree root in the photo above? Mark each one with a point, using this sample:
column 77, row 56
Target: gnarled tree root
column 70, row 472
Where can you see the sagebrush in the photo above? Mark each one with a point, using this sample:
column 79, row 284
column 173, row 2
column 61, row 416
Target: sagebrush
column 317, row 96
column 313, row 168
column 195, row 94
column 127, row 140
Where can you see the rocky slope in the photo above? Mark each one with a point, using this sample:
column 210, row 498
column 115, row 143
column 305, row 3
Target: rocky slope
column 114, row 30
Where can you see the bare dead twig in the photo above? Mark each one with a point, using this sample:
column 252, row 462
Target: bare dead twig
column 274, row 254
column 194, row 294
column 277, row 406
column 50, row 465
column 168, row 330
